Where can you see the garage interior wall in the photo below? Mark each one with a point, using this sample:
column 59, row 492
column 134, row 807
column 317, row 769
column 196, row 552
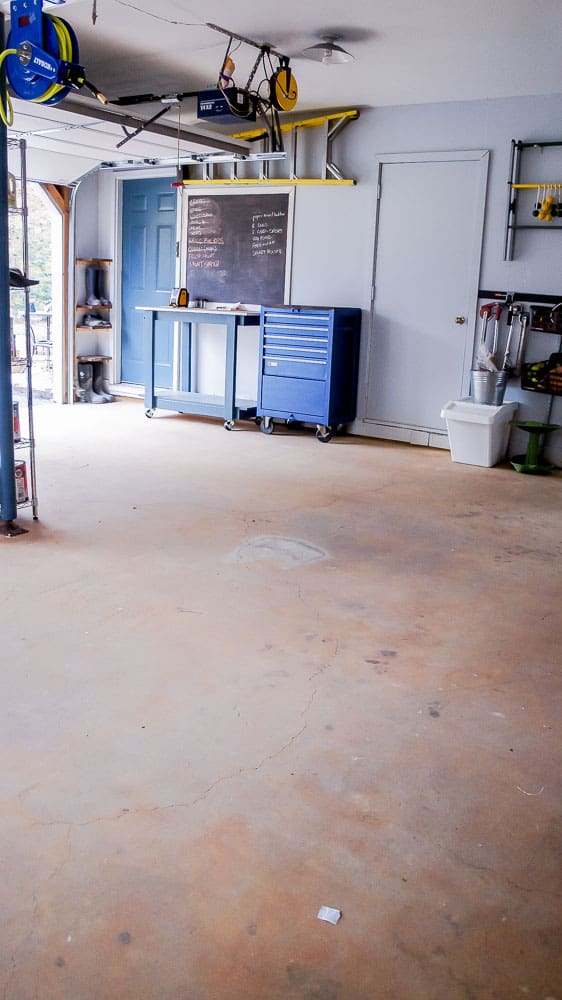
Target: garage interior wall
column 334, row 227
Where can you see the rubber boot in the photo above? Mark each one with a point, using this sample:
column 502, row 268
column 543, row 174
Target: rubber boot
column 86, row 385
column 99, row 386
column 100, row 287
column 91, row 294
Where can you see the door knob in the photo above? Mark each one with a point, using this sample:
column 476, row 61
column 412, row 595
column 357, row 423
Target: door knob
column 460, row 320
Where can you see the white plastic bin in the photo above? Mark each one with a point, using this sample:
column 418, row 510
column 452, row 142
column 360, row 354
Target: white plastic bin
column 478, row 433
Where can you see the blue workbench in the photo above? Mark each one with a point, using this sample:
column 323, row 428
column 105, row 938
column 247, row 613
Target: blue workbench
column 228, row 407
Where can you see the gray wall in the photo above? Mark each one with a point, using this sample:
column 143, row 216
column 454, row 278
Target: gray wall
column 334, row 226
column 337, row 266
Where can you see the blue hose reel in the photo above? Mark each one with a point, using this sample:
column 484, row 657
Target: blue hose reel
column 42, row 56
column 47, row 54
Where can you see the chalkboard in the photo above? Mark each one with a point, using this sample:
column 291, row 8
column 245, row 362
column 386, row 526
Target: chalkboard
column 237, row 247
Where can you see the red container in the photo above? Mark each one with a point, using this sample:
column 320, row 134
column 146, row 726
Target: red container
column 22, row 492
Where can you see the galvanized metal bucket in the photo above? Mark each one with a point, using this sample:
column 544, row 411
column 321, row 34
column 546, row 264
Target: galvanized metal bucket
column 488, row 387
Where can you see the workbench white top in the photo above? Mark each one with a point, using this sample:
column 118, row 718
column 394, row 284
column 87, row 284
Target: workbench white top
column 210, row 311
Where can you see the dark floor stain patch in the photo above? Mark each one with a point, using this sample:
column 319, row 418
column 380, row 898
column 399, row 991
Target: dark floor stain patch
column 329, row 727
column 433, row 709
column 453, row 923
column 312, row 984
column 434, row 713
column 124, row 937
column 380, row 671
column 252, row 930
column 388, row 653
column 60, row 962
column 372, row 661
column 470, row 513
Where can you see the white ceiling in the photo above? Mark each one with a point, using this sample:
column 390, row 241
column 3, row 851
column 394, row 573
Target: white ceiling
column 405, row 53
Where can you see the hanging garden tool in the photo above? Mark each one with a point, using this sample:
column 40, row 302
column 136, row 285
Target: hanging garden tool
column 41, row 58
column 523, row 321
column 484, row 357
column 497, row 311
column 514, row 312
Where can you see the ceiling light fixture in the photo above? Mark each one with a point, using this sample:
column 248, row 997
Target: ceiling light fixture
column 328, row 52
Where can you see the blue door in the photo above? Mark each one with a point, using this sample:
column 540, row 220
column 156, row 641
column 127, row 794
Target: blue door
column 148, row 275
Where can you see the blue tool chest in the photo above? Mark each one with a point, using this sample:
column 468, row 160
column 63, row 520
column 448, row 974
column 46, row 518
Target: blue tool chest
column 309, row 359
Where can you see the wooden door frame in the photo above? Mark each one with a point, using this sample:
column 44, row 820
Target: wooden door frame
column 60, row 196
column 362, row 424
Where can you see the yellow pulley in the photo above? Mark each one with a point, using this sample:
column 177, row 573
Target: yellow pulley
column 283, row 89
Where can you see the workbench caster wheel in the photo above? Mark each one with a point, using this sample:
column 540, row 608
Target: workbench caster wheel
column 324, row 434
column 149, row 414
column 229, row 425
column 266, row 425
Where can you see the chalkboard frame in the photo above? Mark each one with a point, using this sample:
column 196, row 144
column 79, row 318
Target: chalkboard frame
column 206, row 191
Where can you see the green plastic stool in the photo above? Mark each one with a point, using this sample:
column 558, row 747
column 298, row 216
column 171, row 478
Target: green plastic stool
column 533, row 461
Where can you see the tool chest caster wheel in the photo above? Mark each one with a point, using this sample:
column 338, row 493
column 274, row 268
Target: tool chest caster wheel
column 266, row 425
column 324, row 434
column 149, row 413
column 229, row 425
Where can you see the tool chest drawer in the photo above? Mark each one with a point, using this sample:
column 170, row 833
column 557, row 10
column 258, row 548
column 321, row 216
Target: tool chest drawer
column 308, row 365
column 288, row 395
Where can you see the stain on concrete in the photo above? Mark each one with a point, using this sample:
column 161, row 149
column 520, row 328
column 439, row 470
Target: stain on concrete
column 388, row 653
column 60, row 962
column 312, row 984
column 124, row 937
column 252, row 930
column 287, row 552
column 453, row 923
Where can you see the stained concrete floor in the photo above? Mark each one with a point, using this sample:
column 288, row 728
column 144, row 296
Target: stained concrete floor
column 247, row 676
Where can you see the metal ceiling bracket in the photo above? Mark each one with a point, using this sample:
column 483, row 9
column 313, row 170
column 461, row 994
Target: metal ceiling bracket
column 294, row 136
column 140, row 128
column 332, row 125
column 225, row 145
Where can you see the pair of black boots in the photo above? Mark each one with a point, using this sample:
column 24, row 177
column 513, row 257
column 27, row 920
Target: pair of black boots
column 95, row 287
column 91, row 383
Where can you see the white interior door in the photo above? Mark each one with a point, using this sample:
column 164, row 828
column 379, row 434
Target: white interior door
column 427, row 263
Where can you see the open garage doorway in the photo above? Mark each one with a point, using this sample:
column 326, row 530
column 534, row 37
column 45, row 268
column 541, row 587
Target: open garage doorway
column 45, row 234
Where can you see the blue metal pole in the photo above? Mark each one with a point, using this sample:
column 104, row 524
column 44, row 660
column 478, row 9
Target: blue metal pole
column 8, row 508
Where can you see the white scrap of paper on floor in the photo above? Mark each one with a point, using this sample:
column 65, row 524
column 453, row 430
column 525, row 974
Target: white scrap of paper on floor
column 329, row 914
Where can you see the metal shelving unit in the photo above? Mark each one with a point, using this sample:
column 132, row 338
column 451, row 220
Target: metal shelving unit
column 27, row 443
